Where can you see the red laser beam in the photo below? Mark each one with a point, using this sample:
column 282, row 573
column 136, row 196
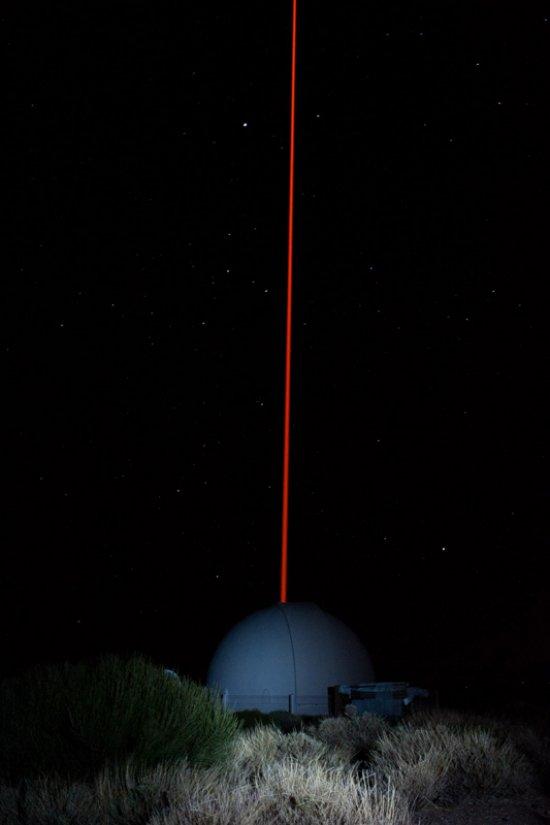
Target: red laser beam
column 286, row 448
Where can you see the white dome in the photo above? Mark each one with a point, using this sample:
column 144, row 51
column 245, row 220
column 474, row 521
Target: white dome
column 286, row 656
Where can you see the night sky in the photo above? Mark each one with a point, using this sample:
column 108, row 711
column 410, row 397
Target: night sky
column 144, row 312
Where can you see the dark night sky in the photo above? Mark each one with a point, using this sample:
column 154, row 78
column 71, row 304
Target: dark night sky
column 144, row 328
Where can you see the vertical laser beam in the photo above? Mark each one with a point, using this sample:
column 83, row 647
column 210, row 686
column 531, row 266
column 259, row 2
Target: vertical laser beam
column 286, row 448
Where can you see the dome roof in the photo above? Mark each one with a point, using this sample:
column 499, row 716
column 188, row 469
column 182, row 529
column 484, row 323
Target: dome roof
column 292, row 649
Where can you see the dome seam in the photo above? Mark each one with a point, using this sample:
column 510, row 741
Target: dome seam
column 292, row 648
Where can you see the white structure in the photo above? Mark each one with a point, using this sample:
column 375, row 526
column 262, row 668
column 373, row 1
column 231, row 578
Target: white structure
column 285, row 657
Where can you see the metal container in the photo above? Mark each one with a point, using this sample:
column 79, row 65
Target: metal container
column 388, row 699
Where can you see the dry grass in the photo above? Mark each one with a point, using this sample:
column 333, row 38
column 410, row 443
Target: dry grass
column 453, row 719
column 286, row 792
column 439, row 764
column 261, row 747
column 302, row 777
column 272, row 779
column 529, row 738
column 357, row 735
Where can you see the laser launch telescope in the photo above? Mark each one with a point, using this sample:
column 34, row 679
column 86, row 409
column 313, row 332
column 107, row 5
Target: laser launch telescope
column 287, row 656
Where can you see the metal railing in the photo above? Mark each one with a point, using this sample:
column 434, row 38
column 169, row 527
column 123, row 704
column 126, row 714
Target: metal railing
column 301, row 705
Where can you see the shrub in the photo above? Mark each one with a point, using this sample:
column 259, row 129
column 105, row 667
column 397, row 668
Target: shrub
column 256, row 749
column 524, row 736
column 301, row 747
column 453, row 719
column 416, row 760
column 485, row 765
column 289, row 793
column 285, row 721
column 273, row 778
column 251, row 718
column 529, row 742
column 314, row 794
column 280, row 719
column 358, row 735
column 73, row 719
column 436, row 763
column 48, row 801
column 311, row 720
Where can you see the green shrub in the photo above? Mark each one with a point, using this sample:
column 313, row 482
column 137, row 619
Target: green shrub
column 312, row 720
column 281, row 719
column 71, row 720
column 285, row 721
column 250, row 718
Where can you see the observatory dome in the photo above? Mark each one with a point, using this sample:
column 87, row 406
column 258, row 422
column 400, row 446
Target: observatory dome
column 285, row 657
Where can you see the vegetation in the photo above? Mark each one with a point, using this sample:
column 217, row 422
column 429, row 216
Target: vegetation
column 71, row 720
column 285, row 721
column 281, row 719
column 437, row 765
column 358, row 735
column 251, row 718
column 358, row 771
